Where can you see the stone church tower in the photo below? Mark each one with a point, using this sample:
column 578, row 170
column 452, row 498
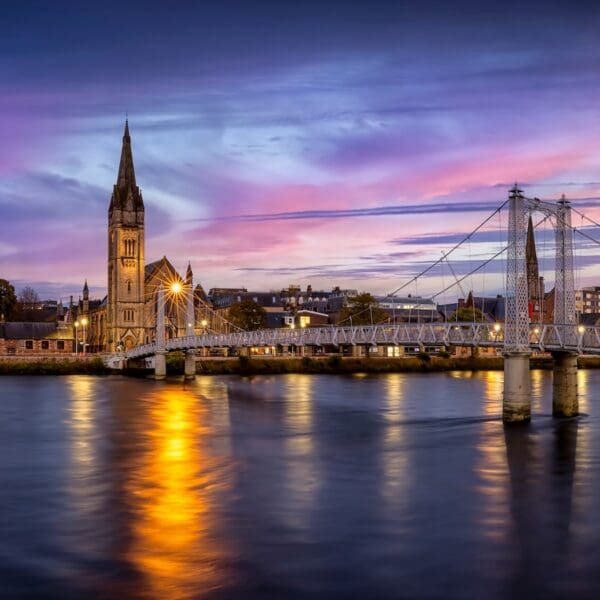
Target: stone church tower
column 125, row 301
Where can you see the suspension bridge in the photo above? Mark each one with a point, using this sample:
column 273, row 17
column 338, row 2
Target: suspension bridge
column 517, row 336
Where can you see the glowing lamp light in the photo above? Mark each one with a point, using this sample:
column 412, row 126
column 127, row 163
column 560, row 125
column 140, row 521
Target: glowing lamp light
column 536, row 330
column 176, row 287
column 204, row 323
column 581, row 329
column 497, row 327
column 76, row 323
column 84, row 321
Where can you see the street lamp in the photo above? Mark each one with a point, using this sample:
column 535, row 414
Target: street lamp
column 76, row 324
column 84, row 322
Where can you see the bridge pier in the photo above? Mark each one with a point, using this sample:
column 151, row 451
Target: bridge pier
column 564, row 385
column 516, row 406
column 189, row 371
column 356, row 351
column 160, row 365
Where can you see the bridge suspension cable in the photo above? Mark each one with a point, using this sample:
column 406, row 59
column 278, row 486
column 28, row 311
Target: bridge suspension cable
column 445, row 255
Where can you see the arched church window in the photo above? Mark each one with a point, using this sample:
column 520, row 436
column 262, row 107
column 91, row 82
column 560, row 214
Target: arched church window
column 129, row 286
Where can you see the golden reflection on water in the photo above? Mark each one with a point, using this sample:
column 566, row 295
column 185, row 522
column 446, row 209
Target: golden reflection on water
column 83, row 487
column 583, row 390
column 493, row 391
column 81, row 423
column 395, row 455
column 299, row 412
column 215, row 393
column 173, row 496
column 303, row 477
column 494, row 487
column 584, row 496
column 537, row 378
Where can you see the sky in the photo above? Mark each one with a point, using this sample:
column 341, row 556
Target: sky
column 326, row 143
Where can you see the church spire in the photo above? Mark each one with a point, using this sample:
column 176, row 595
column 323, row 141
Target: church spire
column 530, row 252
column 126, row 196
column 126, row 177
column 188, row 274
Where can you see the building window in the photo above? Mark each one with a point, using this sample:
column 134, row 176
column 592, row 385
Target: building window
column 45, row 344
column 11, row 350
column 129, row 247
column 128, row 315
column 129, row 286
column 28, row 344
column 60, row 345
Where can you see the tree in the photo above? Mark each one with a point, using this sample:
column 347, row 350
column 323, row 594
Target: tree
column 363, row 310
column 8, row 300
column 248, row 315
column 467, row 314
column 28, row 298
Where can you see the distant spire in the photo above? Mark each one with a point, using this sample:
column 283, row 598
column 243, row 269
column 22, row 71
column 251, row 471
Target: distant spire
column 85, row 286
column 188, row 274
column 531, row 255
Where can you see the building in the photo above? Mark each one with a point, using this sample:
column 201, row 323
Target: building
column 587, row 300
column 34, row 338
column 281, row 306
column 126, row 317
column 409, row 309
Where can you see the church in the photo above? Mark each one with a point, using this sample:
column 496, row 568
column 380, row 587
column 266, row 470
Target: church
column 126, row 317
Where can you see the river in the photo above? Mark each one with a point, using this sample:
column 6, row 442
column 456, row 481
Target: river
column 296, row 486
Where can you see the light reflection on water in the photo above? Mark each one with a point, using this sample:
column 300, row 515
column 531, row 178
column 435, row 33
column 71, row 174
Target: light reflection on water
column 171, row 496
column 296, row 486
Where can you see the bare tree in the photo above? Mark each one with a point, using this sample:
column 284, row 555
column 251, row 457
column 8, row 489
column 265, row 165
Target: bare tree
column 28, row 298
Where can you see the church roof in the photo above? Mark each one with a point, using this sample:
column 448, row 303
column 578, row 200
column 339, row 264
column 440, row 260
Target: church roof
column 158, row 265
column 26, row 331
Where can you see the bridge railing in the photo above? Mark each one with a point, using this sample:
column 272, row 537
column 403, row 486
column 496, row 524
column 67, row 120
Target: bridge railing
column 543, row 337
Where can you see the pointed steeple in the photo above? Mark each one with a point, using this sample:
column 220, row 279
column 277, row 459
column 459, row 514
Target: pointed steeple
column 126, row 195
column 86, row 290
column 531, row 253
column 189, row 276
column 126, row 177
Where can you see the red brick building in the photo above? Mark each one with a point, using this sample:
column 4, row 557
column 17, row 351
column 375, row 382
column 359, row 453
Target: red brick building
column 30, row 339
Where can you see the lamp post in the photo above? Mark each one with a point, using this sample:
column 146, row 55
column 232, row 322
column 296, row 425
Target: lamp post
column 84, row 322
column 76, row 324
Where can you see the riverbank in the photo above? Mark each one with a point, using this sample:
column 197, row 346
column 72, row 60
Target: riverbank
column 53, row 366
column 334, row 365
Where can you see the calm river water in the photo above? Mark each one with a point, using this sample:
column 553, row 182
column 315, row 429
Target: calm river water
column 298, row 486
